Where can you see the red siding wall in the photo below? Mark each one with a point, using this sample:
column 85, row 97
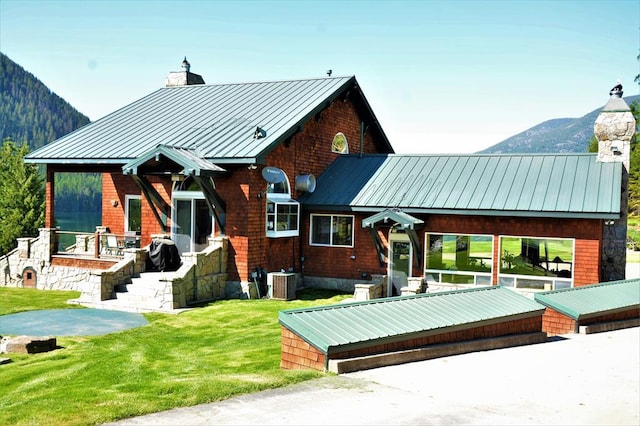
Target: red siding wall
column 74, row 262
column 298, row 354
column 336, row 262
column 115, row 186
column 554, row 322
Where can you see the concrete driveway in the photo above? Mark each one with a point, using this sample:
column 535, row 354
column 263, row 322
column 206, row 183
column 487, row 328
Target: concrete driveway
column 574, row 379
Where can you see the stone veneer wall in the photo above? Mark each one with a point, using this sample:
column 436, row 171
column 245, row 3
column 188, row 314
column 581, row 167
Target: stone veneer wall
column 34, row 253
column 343, row 284
column 202, row 276
column 99, row 285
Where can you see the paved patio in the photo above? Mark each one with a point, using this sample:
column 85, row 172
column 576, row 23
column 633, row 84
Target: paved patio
column 69, row 322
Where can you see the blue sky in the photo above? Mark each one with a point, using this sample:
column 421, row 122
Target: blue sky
column 441, row 76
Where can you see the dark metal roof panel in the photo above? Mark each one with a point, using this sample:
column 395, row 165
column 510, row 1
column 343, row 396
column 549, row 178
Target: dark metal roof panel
column 544, row 185
column 593, row 300
column 336, row 328
column 218, row 121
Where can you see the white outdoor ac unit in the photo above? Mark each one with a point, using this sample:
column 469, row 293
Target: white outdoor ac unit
column 281, row 285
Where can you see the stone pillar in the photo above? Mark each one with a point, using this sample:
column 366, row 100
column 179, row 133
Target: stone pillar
column 49, row 240
column 614, row 129
column 24, row 247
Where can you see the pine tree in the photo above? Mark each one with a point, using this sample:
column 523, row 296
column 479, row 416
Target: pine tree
column 22, row 196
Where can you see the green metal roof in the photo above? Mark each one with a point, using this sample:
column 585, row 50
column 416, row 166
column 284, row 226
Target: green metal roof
column 224, row 123
column 348, row 326
column 185, row 161
column 545, row 185
column 593, row 300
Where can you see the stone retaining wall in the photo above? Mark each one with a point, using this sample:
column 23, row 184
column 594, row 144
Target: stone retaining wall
column 343, row 285
column 202, row 276
column 35, row 255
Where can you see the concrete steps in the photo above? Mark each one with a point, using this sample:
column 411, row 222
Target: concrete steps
column 142, row 294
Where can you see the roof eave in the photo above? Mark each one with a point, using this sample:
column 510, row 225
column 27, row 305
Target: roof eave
column 78, row 161
column 470, row 212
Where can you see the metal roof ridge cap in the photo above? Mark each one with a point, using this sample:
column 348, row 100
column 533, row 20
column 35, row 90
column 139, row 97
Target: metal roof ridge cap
column 390, row 299
column 244, row 83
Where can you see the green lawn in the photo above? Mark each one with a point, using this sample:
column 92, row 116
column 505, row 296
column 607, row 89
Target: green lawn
column 206, row 354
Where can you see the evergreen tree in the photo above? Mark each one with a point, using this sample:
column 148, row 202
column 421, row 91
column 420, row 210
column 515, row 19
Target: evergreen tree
column 22, row 196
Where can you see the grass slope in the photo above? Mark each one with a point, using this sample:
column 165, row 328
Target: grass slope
column 207, row 354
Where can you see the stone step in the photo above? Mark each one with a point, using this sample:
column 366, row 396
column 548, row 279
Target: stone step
column 142, row 294
column 146, row 280
column 139, row 289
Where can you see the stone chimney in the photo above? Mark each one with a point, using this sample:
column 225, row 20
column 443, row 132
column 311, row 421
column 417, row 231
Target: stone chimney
column 614, row 129
column 184, row 77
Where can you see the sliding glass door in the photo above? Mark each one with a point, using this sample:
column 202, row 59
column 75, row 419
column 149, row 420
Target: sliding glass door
column 192, row 221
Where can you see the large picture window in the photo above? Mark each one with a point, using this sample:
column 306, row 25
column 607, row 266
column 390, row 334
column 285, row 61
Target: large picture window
column 331, row 230
column 536, row 263
column 459, row 259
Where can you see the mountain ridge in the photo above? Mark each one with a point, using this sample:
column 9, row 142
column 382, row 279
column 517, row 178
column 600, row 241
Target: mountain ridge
column 557, row 135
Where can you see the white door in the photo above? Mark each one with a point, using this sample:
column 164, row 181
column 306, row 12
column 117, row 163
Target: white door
column 400, row 258
column 192, row 221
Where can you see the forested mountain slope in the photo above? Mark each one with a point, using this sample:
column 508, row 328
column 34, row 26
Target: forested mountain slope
column 32, row 114
column 29, row 111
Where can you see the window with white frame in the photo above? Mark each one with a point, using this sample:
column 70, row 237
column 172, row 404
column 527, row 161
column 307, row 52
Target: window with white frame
column 459, row 258
column 133, row 213
column 283, row 212
column 536, row 263
column 331, row 230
